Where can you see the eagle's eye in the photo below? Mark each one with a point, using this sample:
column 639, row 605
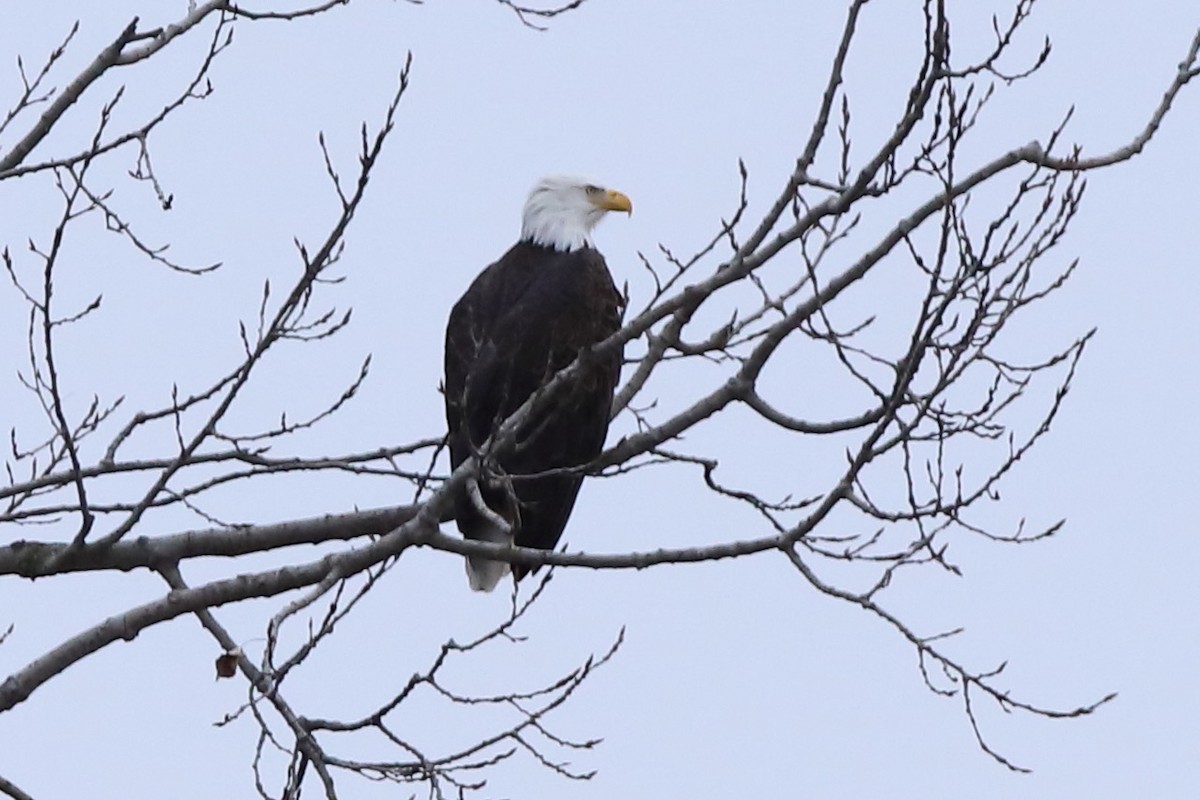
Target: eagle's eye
column 593, row 190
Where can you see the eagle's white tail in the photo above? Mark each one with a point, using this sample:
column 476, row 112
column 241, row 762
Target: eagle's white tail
column 484, row 573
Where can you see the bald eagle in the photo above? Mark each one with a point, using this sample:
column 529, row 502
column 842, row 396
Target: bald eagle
column 525, row 317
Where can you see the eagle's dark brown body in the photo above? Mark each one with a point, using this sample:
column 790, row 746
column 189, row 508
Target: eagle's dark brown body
column 523, row 319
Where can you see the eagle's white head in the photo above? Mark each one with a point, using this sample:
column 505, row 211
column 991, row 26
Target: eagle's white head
column 561, row 211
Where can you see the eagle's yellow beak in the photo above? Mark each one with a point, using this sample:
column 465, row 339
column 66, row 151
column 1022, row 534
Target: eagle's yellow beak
column 615, row 201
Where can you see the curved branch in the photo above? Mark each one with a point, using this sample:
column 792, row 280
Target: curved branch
column 107, row 58
column 1189, row 68
column 18, row 686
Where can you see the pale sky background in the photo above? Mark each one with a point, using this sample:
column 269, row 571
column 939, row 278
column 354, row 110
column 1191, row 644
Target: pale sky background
column 736, row 679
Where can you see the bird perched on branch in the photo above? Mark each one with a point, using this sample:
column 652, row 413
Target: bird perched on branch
column 537, row 310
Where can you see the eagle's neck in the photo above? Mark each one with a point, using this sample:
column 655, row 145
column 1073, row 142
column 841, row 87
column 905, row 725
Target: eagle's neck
column 557, row 234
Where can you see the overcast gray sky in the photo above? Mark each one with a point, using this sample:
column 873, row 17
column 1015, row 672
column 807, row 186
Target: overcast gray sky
column 736, row 680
